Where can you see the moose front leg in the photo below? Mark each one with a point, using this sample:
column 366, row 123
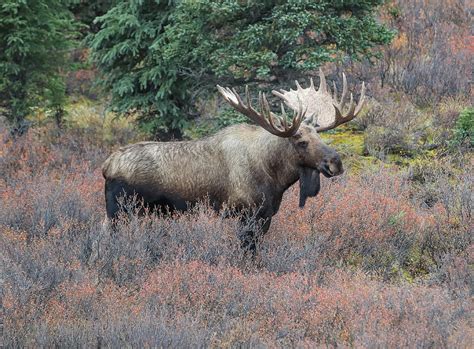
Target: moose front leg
column 251, row 235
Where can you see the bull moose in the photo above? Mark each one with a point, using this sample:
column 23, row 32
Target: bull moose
column 243, row 166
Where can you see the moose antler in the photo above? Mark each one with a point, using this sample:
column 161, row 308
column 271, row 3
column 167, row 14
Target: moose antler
column 324, row 111
column 266, row 119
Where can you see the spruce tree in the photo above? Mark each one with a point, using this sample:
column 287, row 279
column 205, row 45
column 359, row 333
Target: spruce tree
column 35, row 36
column 158, row 57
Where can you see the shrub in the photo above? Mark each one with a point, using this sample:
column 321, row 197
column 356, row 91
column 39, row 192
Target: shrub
column 463, row 133
column 362, row 265
column 393, row 126
column 380, row 141
column 372, row 114
column 95, row 125
column 429, row 59
column 447, row 111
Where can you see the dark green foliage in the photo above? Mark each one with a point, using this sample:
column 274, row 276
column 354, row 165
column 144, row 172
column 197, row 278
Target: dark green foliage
column 160, row 57
column 86, row 11
column 208, row 126
column 464, row 129
column 34, row 38
column 136, row 74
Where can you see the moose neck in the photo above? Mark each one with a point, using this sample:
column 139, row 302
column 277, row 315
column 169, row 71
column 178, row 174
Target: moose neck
column 279, row 159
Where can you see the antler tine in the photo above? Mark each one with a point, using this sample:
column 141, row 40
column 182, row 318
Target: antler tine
column 361, row 100
column 298, row 86
column 266, row 110
column 339, row 117
column 265, row 118
column 224, row 92
column 284, row 116
column 341, row 103
column 236, row 100
column 299, row 116
column 322, row 82
column 247, row 96
column 352, row 106
column 280, row 94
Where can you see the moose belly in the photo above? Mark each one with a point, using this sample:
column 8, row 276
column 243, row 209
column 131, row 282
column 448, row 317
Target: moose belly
column 163, row 197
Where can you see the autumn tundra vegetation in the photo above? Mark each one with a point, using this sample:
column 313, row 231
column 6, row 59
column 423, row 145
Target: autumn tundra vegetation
column 381, row 257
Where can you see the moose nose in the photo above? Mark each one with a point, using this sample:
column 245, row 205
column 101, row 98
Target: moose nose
column 335, row 165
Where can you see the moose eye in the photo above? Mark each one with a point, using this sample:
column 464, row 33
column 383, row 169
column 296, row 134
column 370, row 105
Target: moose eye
column 303, row 144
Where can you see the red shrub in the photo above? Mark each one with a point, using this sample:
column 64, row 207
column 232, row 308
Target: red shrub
column 183, row 281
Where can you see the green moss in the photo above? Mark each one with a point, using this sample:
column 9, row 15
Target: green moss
column 418, row 264
column 356, row 259
column 405, row 275
column 396, row 219
column 398, row 159
column 345, row 140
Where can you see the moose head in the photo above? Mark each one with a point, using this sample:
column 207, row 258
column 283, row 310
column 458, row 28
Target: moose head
column 314, row 111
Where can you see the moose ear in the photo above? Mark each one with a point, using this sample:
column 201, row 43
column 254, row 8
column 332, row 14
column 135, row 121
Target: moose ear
column 297, row 135
column 309, row 184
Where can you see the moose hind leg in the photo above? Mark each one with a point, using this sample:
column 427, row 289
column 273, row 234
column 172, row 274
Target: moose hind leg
column 111, row 203
column 114, row 190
